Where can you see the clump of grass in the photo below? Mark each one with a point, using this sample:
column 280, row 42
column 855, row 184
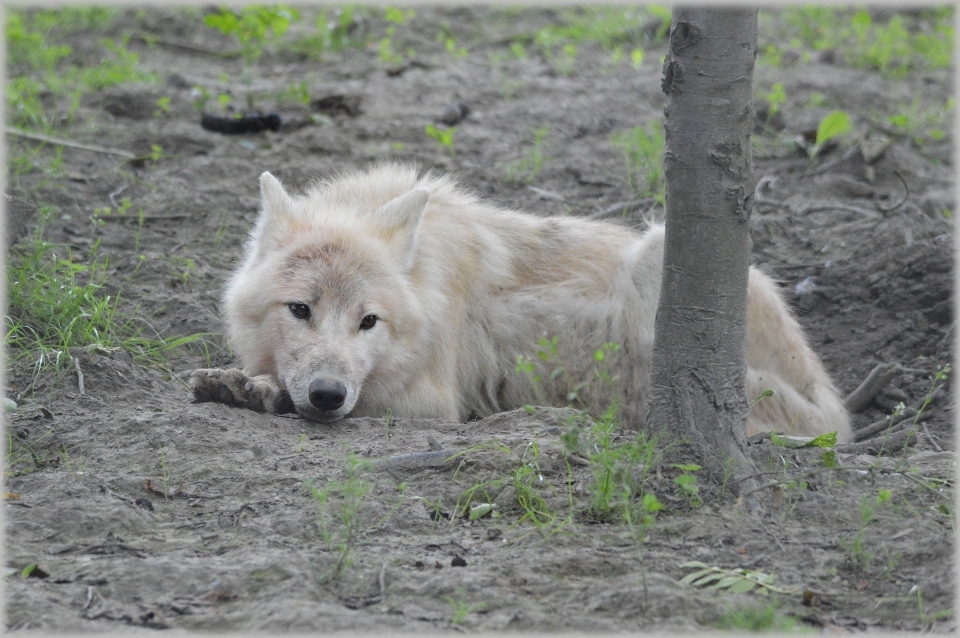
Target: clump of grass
column 254, row 26
column 341, row 515
column 56, row 300
column 442, row 136
column 387, row 46
column 894, row 47
column 38, row 66
column 615, row 29
column 766, row 619
column 527, row 168
column 334, row 29
column 642, row 150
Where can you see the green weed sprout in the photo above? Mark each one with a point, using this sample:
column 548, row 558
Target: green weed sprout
column 642, row 149
column 527, row 168
column 443, row 137
column 253, row 26
column 833, row 125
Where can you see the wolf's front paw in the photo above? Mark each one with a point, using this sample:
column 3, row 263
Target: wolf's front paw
column 233, row 387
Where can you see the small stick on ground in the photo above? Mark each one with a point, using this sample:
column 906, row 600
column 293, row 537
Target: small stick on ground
column 882, row 444
column 76, row 364
column 414, row 460
column 935, row 445
column 878, row 378
column 618, row 209
column 62, row 142
column 869, row 431
column 383, row 583
column 906, row 193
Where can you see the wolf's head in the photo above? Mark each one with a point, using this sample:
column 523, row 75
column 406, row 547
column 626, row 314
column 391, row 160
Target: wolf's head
column 324, row 299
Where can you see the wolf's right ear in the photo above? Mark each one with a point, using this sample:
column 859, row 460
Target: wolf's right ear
column 275, row 199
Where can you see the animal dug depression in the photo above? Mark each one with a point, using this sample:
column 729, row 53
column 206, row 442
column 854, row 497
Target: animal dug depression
column 387, row 290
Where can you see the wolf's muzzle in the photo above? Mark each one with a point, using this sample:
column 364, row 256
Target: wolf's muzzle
column 327, row 395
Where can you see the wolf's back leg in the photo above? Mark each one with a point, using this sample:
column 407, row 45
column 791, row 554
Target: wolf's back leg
column 233, row 387
column 804, row 401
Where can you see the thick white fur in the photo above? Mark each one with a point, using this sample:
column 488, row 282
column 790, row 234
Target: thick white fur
column 460, row 289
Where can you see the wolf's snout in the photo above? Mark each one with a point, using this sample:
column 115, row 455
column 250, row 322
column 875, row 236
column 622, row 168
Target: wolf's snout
column 327, row 395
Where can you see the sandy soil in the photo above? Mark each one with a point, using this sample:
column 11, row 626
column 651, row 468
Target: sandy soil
column 169, row 514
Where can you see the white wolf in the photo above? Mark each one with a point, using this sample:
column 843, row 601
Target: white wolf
column 385, row 290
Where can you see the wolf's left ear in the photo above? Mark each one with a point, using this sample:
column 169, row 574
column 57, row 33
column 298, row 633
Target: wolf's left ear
column 404, row 212
column 275, row 199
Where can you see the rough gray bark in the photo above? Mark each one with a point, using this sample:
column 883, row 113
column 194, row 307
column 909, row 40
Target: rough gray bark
column 697, row 385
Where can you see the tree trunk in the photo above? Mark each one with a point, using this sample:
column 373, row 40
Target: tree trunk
column 697, row 384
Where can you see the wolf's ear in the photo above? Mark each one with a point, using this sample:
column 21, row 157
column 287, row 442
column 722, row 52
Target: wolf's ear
column 275, row 199
column 404, row 212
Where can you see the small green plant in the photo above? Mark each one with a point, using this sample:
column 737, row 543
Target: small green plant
column 254, row 26
column 775, row 98
column 200, row 97
column 301, row 443
column 855, row 545
column 75, row 465
column 758, row 619
column 22, row 455
column 921, row 124
column 386, row 48
column 163, row 107
column 527, row 168
column 297, row 92
column 164, row 474
column 687, row 482
column 642, row 149
column 332, row 34
column 341, row 515
column 460, row 608
column 737, row 581
column 137, row 234
column 448, row 39
column 833, row 125
column 443, row 137
column 183, row 266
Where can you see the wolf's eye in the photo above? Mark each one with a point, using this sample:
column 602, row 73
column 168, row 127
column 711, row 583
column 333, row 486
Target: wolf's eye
column 299, row 310
column 368, row 322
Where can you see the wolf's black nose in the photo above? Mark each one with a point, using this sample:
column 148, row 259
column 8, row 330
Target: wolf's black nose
column 327, row 395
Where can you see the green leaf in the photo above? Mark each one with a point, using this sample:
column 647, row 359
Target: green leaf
column 833, row 124
column 689, row 578
column 28, row 570
column 824, row 440
column 479, row 511
column 708, row 579
column 743, row 586
column 726, row 581
column 693, row 563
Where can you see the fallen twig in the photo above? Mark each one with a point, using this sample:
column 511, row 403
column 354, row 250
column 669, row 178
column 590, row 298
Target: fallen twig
column 620, row 208
column 878, row 378
column 414, row 460
column 76, row 364
column 850, row 209
column 883, row 424
column 906, row 193
column 829, row 165
column 187, row 46
column 935, row 445
column 886, row 444
column 62, row 142
column 383, row 582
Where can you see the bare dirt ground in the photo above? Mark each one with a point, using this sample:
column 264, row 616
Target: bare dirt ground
column 141, row 508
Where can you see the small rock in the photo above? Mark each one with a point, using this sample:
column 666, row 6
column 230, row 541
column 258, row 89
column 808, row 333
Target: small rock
column 454, row 113
column 458, row 561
